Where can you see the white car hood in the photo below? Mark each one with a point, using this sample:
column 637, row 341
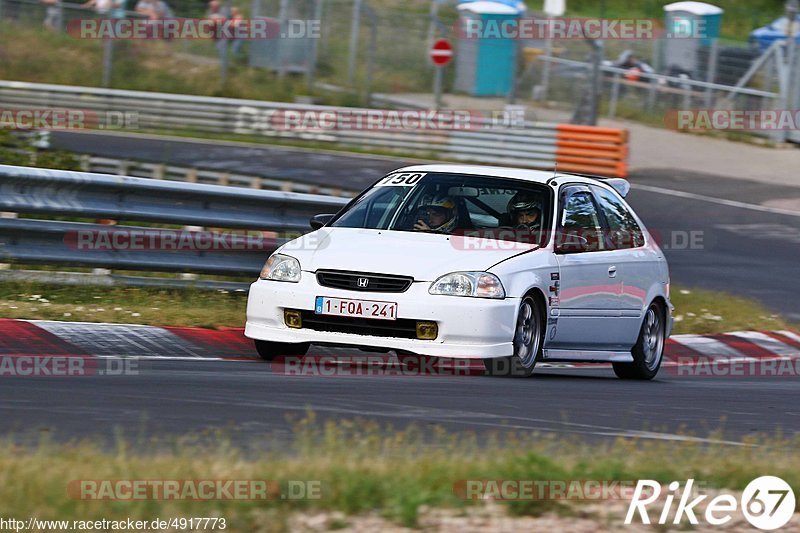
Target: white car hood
column 425, row 256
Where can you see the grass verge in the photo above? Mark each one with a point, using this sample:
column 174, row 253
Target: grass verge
column 696, row 311
column 189, row 307
column 361, row 467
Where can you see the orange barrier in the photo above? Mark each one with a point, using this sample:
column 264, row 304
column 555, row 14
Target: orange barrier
column 592, row 150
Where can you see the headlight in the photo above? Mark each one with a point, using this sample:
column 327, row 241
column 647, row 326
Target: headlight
column 281, row 267
column 475, row 284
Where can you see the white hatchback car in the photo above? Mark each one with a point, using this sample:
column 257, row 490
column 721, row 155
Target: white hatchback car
column 506, row 265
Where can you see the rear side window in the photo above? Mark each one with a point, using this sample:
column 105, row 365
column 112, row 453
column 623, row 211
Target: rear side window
column 580, row 218
column 623, row 232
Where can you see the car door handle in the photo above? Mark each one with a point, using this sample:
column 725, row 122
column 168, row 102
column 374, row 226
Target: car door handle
column 612, row 272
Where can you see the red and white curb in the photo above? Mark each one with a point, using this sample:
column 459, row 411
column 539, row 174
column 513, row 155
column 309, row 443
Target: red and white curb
column 84, row 339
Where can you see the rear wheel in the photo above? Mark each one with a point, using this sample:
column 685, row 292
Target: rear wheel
column 270, row 350
column 649, row 348
column 527, row 343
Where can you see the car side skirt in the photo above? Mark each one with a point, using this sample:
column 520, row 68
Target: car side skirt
column 587, row 356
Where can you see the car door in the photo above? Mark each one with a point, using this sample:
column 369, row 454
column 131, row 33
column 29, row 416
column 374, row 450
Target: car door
column 637, row 265
column 588, row 307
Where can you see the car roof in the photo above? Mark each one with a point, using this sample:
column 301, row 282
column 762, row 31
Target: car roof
column 537, row 176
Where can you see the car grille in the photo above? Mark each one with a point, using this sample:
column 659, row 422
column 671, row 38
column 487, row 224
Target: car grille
column 354, row 281
column 403, row 328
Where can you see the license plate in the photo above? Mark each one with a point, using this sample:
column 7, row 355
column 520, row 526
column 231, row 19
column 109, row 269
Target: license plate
column 357, row 308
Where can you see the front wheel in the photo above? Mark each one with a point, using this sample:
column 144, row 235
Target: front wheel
column 649, row 348
column 527, row 343
column 270, row 350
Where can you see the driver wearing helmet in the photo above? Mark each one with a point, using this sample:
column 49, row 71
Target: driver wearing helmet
column 525, row 211
column 437, row 215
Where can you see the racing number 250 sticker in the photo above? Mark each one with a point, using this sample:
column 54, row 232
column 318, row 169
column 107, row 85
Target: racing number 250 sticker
column 401, row 179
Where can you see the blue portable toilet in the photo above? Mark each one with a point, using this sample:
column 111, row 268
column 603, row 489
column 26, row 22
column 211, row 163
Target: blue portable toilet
column 689, row 26
column 487, row 47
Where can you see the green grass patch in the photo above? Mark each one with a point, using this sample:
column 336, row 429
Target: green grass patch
column 362, row 467
column 702, row 311
column 163, row 307
column 696, row 310
column 142, row 65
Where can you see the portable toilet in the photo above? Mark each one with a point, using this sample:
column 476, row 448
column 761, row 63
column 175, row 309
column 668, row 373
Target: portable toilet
column 487, row 46
column 689, row 27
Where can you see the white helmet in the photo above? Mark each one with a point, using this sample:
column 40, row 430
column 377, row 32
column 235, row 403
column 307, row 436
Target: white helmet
column 448, row 206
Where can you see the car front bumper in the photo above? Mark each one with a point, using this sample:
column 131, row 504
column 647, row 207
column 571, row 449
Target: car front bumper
column 468, row 327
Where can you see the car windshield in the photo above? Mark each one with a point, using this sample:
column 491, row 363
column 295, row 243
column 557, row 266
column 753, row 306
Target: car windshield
column 451, row 204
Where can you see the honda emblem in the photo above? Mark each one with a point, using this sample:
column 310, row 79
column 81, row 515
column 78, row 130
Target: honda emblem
column 363, row 282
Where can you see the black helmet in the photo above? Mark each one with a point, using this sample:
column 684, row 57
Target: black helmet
column 524, row 201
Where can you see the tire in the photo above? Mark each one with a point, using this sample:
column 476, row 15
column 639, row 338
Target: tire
column 270, row 350
column 528, row 343
column 648, row 352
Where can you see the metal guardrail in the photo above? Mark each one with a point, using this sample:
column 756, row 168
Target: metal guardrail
column 28, row 191
column 528, row 144
column 161, row 171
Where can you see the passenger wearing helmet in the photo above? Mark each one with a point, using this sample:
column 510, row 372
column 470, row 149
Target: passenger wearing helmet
column 437, row 215
column 525, row 211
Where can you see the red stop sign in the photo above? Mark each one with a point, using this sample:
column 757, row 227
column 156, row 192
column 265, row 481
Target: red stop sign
column 441, row 52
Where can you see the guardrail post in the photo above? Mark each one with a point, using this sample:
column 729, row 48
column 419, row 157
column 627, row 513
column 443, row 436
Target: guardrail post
column 122, row 167
column 191, row 175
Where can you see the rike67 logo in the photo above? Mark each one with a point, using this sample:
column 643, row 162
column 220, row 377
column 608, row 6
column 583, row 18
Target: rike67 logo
column 767, row 503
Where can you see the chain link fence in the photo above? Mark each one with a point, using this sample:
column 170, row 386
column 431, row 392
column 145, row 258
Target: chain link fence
column 360, row 47
column 641, row 80
column 345, row 44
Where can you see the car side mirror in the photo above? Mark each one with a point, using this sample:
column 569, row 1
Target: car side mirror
column 317, row 221
column 571, row 244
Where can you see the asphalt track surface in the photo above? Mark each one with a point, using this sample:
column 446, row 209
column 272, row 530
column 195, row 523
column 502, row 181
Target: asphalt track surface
column 255, row 406
column 746, row 248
